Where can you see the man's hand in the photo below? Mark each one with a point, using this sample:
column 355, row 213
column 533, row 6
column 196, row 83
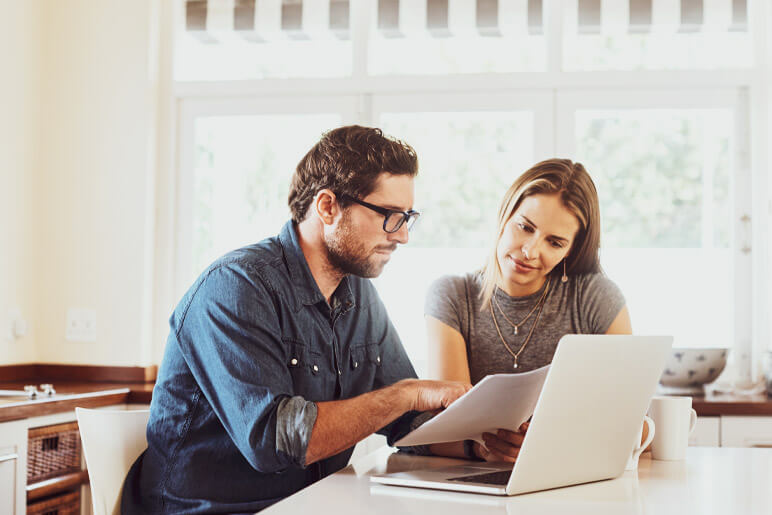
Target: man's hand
column 502, row 446
column 433, row 395
column 340, row 424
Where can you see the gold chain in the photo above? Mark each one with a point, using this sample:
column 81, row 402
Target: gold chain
column 517, row 326
column 515, row 355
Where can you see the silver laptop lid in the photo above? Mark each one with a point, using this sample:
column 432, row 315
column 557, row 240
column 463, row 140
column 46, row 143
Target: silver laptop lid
column 592, row 404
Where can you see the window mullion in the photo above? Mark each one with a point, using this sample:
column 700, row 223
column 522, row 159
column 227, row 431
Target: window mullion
column 758, row 113
column 553, row 26
column 743, row 250
column 361, row 12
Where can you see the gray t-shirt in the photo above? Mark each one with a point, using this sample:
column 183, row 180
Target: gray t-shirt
column 585, row 304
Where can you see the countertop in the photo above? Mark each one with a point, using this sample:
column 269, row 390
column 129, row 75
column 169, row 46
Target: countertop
column 69, row 395
column 715, row 404
column 710, row 480
column 94, row 386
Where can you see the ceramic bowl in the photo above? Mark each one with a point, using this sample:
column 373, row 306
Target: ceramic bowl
column 691, row 369
column 767, row 363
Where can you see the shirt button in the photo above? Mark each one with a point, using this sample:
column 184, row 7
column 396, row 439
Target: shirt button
column 294, row 361
column 316, row 369
column 356, row 364
column 378, row 359
column 338, row 371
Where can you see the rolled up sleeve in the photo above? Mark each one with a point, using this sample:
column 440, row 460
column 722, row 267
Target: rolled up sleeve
column 230, row 339
column 295, row 419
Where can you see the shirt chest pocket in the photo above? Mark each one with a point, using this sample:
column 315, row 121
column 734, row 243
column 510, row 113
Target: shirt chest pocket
column 308, row 370
column 301, row 357
column 365, row 359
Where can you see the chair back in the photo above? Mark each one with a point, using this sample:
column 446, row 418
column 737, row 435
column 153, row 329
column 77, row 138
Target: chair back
column 112, row 441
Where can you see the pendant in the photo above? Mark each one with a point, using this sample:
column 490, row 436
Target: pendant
column 515, row 365
column 515, row 330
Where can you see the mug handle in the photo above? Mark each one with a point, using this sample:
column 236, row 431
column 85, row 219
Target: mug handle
column 649, row 422
column 692, row 421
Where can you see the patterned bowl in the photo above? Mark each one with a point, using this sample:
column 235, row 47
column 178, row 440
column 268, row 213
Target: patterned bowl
column 691, row 369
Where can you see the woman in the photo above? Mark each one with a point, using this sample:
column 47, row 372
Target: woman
column 543, row 280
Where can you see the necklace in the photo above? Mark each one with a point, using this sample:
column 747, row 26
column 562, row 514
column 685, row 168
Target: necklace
column 514, row 354
column 516, row 326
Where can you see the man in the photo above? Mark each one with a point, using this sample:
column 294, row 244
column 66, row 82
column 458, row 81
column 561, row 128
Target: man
column 281, row 356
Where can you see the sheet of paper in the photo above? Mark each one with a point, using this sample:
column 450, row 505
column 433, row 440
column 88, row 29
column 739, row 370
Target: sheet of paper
column 498, row 401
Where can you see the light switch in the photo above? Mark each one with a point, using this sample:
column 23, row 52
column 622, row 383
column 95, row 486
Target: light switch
column 17, row 326
column 81, row 325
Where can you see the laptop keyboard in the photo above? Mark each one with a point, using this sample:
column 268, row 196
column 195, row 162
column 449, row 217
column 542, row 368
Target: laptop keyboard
column 500, row 478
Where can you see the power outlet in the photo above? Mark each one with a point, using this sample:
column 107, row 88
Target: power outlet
column 81, row 325
column 17, row 327
column 14, row 326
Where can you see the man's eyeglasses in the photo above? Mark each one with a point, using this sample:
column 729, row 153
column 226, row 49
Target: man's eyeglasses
column 393, row 219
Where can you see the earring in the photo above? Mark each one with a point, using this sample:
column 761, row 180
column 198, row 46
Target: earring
column 565, row 277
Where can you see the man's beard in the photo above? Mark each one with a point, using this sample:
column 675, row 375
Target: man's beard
column 348, row 255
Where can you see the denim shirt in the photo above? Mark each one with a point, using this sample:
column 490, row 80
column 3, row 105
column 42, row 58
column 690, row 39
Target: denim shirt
column 253, row 346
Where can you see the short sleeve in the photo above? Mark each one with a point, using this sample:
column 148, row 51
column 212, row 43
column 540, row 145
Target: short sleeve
column 446, row 301
column 600, row 301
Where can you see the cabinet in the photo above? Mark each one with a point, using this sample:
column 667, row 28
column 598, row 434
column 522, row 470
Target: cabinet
column 713, row 431
column 707, row 432
column 737, row 431
column 732, row 431
column 8, row 459
column 752, row 431
column 13, row 451
column 13, row 460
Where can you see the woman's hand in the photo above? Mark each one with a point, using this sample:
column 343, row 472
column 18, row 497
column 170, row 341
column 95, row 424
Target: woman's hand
column 504, row 445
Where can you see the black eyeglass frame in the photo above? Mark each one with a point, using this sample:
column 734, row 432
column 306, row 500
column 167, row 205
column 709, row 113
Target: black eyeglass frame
column 407, row 216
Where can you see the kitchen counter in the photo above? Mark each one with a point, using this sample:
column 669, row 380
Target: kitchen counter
column 716, row 404
column 70, row 395
column 85, row 386
column 711, row 480
column 95, row 394
column 94, row 386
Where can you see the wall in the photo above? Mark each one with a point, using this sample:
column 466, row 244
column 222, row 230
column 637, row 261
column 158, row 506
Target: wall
column 95, row 183
column 19, row 69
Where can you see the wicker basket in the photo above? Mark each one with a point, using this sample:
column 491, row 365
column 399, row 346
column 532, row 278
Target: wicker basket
column 67, row 503
column 53, row 451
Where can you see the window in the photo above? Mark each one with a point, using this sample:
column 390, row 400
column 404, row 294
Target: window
column 666, row 185
column 659, row 99
column 470, row 149
column 239, row 158
column 656, row 35
column 443, row 37
column 250, row 39
column 242, row 175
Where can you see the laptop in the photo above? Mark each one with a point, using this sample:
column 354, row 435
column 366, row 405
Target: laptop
column 584, row 425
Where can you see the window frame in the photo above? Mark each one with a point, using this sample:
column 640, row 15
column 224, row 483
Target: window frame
column 570, row 101
column 365, row 96
column 190, row 110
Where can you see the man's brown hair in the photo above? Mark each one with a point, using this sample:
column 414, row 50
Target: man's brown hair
column 348, row 161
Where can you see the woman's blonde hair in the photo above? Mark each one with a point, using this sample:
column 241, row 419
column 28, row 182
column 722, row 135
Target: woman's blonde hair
column 571, row 182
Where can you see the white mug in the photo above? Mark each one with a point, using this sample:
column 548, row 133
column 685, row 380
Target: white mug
column 675, row 421
column 632, row 461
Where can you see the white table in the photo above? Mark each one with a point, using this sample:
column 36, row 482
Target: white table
column 712, row 480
